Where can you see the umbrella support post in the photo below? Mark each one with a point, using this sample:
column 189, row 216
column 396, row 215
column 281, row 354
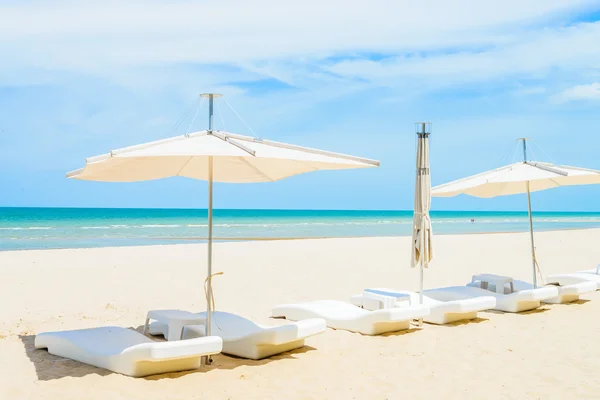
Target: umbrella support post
column 531, row 236
column 524, row 140
column 420, row 320
column 206, row 360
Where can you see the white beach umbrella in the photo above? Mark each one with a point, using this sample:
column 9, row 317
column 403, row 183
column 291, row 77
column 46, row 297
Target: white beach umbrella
column 214, row 156
column 422, row 233
column 522, row 177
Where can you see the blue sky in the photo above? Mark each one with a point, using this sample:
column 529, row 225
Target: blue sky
column 79, row 79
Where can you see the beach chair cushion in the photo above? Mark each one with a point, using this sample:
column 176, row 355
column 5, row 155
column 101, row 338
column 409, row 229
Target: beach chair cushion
column 342, row 315
column 126, row 351
column 514, row 302
column 245, row 338
column 442, row 312
column 574, row 277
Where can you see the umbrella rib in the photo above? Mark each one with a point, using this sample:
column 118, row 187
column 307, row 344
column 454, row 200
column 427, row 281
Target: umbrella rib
column 255, row 169
column 454, row 182
column 148, row 145
column 308, row 165
column 184, row 165
column 553, row 181
column 72, row 174
column 229, row 140
column 549, row 169
column 302, row 149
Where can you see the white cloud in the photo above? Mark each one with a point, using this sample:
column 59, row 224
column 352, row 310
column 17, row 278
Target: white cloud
column 93, row 35
column 311, row 45
column 529, row 53
column 580, row 92
column 530, row 91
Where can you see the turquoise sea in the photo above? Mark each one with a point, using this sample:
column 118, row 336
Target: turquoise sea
column 45, row 228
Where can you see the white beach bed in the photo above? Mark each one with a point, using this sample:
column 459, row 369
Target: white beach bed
column 566, row 293
column 126, row 351
column 243, row 337
column 442, row 312
column 574, row 278
column 595, row 271
column 514, row 302
column 342, row 315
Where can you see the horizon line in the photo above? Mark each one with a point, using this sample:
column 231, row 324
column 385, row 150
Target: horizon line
column 283, row 209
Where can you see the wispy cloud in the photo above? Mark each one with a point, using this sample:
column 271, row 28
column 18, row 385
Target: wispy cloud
column 303, row 44
column 530, row 91
column 580, row 92
column 531, row 53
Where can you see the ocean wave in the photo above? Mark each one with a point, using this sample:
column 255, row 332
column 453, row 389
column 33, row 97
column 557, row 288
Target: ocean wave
column 30, row 228
column 310, row 224
column 160, row 226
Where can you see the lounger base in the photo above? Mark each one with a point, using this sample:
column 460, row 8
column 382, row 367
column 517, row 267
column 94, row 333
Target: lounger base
column 448, row 318
column 140, row 368
column 520, row 306
column 369, row 329
column 147, row 368
column 568, row 298
column 345, row 316
column 241, row 349
column 126, row 351
column 575, row 278
column 385, row 327
column 439, row 315
column 436, row 318
column 288, row 338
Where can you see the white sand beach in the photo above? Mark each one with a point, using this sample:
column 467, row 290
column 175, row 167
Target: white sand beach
column 549, row 353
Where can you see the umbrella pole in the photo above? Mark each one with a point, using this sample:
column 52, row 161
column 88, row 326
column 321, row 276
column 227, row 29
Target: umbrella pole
column 420, row 322
column 209, row 310
column 421, row 284
column 210, row 240
column 530, row 217
column 206, row 360
column 531, row 236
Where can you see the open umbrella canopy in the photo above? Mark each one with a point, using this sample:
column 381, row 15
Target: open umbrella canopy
column 521, row 177
column 514, row 179
column 214, row 156
column 234, row 158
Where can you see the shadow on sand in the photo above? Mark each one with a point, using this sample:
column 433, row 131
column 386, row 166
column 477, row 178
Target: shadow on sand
column 399, row 333
column 477, row 320
column 49, row 367
column 539, row 310
column 575, row 303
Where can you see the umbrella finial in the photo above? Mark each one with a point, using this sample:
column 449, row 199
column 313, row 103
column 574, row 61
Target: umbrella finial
column 524, row 140
column 423, row 129
column 211, row 97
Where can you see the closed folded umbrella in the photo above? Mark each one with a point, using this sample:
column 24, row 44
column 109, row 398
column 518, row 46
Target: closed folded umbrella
column 422, row 234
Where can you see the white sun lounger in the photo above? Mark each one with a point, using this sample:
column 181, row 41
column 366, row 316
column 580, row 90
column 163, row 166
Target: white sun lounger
column 245, row 338
column 575, row 277
column 514, row 302
column 126, row 351
column 595, row 271
column 442, row 312
column 566, row 294
column 342, row 315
